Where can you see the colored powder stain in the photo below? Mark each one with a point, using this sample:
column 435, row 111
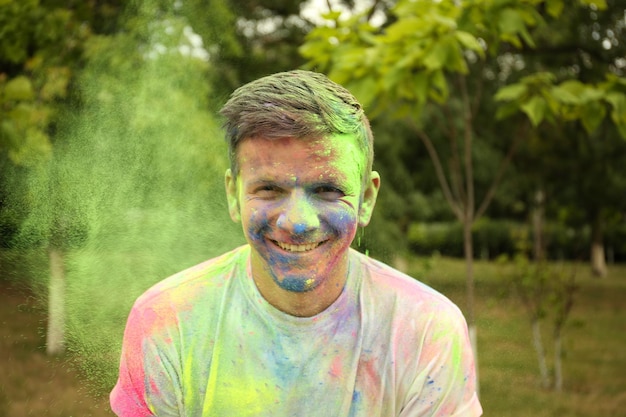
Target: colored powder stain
column 456, row 356
column 356, row 397
column 299, row 228
column 295, row 284
column 335, row 367
column 154, row 387
column 356, row 403
column 232, row 391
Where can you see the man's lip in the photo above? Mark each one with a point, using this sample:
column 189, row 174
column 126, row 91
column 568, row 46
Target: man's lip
column 297, row 248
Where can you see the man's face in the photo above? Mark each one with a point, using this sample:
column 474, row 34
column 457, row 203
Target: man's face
column 300, row 203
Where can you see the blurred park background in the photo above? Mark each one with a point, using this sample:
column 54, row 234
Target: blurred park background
column 500, row 137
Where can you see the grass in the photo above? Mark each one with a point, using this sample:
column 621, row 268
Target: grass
column 594, row 362
column 33, row 384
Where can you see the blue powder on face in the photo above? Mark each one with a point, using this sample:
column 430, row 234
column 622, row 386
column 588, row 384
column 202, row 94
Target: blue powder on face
column 289, row 283
column 338, row 225
column 294, row 284
column 299, row 228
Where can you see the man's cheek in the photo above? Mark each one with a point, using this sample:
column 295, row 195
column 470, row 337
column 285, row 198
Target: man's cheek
column 257, row 222
column 341, row 221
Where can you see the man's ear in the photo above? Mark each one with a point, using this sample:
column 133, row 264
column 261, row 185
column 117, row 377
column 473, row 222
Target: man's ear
column 231, row 196
column 370, row 193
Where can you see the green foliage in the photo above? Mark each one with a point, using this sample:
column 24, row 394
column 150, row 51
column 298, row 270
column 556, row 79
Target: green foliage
column 429, row 238
column 30, row 23
column 493, row 238
column 540, row 98
column 25, row 119
column 379, row 67
column 408, row 61
column 37, row 41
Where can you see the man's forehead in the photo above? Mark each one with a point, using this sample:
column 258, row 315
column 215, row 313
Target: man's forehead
column 337, row 157
column 298, row 172
column 318, row 161
column 338, row 146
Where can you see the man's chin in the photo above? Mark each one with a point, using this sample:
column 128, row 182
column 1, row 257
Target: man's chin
column 297, row 284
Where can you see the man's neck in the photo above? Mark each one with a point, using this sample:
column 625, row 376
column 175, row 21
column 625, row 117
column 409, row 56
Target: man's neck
column 305, row 303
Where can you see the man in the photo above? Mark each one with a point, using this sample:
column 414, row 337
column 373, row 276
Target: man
column 295, row 323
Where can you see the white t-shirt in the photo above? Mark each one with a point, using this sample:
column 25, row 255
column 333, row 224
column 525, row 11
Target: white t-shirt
column 204, row 342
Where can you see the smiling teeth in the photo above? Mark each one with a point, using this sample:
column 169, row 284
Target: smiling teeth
column 297, row 248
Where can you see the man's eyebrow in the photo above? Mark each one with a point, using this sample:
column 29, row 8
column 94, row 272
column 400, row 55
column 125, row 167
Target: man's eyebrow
column 262, row 181
column 339, row 183
column 259, row 182
column 335, row 179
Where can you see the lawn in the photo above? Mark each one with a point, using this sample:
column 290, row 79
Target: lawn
column 594, row 363
column 32, row 383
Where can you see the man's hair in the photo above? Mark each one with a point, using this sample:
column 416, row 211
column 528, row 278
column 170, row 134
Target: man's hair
column 299, row 104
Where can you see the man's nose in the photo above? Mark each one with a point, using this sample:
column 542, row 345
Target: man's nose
column 298, row 214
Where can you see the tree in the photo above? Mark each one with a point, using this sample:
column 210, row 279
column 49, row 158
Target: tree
column 582, row 180
column 546, row 291
column 30, row 82
column 575, row 98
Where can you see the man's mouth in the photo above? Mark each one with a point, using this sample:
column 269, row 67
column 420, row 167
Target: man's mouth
column 297, row 248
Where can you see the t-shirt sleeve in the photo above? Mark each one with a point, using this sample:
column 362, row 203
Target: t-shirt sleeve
column 147, row 384
column 445, row 377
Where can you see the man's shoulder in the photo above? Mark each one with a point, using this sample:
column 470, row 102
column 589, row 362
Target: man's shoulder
column 394, row 302
column 391, row 286
column 208, row 276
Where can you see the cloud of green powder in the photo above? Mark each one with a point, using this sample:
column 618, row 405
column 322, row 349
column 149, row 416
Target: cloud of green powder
column 134, row 190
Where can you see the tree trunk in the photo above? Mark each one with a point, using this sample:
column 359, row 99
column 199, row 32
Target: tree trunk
column 55, row 337
column 598, row 260
column 558, row 370
column 541, row 354
column 468, row 249
column 538, row 215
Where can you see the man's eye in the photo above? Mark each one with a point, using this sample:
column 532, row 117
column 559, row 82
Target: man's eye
column 328, row 192
column 267, row 191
